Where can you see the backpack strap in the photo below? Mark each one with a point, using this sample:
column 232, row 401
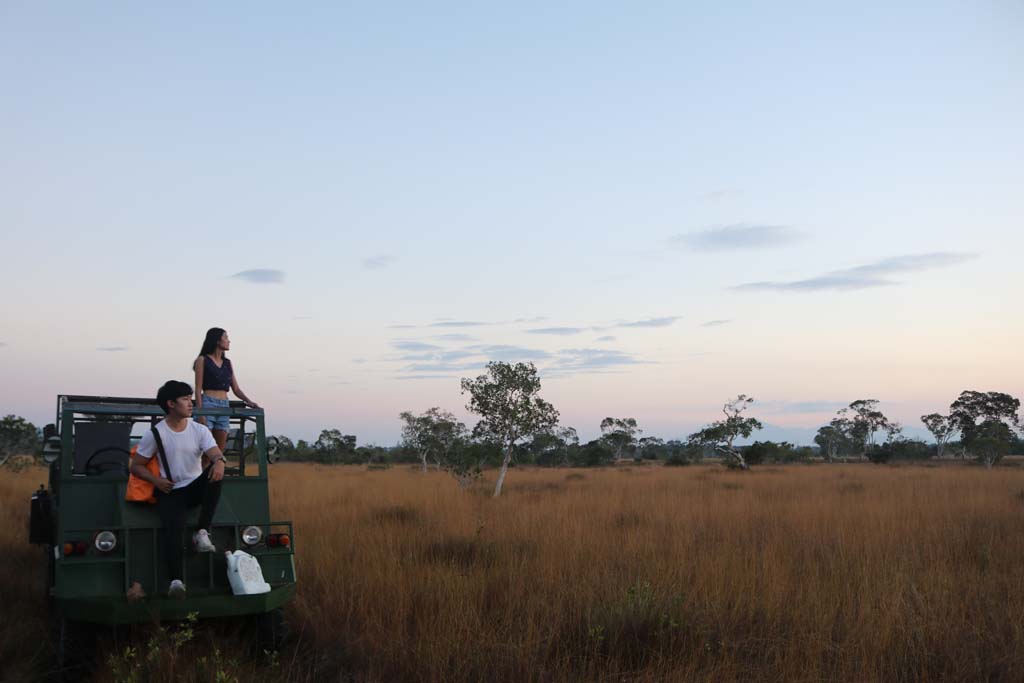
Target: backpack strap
column 163, row 454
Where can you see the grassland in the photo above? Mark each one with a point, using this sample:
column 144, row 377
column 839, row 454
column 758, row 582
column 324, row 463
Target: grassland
column 797, row 573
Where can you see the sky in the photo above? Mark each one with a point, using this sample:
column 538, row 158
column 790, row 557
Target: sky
column 662, row 205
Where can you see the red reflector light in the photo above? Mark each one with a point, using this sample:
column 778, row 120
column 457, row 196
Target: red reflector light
column 284, row 540
column 272, row 540
column 69, row 549
column 81, row 547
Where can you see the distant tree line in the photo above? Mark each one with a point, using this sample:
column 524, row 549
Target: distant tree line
column 980, row 425
column 516, row 426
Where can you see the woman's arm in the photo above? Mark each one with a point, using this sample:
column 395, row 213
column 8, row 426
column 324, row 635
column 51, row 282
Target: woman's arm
column 198, row 367
column 238, row 391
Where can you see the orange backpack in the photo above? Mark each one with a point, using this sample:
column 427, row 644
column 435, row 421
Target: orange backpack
column 140, row 490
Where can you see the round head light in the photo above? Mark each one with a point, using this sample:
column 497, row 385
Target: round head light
column 105, row 541
column 251, row 535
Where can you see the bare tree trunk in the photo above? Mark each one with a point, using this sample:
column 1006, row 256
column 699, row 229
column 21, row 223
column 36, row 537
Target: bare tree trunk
column 733, row 453
column 423, row 457
column 501, row 474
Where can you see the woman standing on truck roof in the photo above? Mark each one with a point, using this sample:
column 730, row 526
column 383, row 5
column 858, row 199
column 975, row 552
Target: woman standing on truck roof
column 214, row 377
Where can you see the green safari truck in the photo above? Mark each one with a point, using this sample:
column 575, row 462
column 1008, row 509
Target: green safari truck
column 103, row 554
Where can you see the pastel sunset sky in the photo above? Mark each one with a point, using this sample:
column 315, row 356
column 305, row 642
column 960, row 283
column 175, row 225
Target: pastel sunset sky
column 662, row 205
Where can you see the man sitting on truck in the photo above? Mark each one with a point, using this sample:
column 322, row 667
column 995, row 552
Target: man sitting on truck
column 184, row 442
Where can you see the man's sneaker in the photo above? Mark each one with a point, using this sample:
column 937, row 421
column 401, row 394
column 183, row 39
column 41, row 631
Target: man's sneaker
column 177, row 590
column 202, row 541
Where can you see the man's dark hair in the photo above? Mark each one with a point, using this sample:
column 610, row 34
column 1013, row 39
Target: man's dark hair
column 172, row 391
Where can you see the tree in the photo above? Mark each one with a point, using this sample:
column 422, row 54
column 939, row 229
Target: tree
column 17, row 437
column 836, row 439
column 591, row 454
column 985, row 421
column 466, row 459
column 770, row 451
column 649, row 447
column 866, row 420
column 333, row 447
column 433, row 435
column 991, row 442
column 722, row 434
column 942, row 428
column 506, row 400
column 620, row 434
column 551, row 448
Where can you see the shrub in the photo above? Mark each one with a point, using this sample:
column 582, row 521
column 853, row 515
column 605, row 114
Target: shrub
column 591, row 454
column 768, row 451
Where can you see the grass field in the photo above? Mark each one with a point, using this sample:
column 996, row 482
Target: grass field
column 796, row 573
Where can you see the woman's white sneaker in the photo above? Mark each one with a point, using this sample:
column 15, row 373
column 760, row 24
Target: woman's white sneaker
column 177, row 590
column 202, row 541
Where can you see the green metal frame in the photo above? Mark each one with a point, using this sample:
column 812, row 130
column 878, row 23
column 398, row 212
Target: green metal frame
column 93, row 587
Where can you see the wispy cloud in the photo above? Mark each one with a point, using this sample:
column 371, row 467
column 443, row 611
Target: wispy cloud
column 455, row 336
column 358, row 361
column 878, row 274
column 720, row 194
column 439, row 356
column 504, row 352
column 408, row 377
column 606, row 338
column 715, row 323
column 569, row 331
column 738, row 236
column 403, row 345
column 558, row 331
column 379, row 261
column 577, row 361
column 652, row 322
column 458, row 323
column 444, row 366
column 3, row 344
column 111, row 349
column 801, row 407
column 302, row 317
column 261, row 276
column 471, row 359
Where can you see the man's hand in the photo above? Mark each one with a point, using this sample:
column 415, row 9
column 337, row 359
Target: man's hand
column 165, row 485
column 217, row 471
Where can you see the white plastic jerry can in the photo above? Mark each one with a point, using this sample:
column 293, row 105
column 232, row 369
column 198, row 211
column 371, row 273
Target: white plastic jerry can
column 245, row 574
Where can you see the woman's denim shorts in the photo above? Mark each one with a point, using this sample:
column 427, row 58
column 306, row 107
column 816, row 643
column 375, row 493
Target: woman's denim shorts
column 216, row 421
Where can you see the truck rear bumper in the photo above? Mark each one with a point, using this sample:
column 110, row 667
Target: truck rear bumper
column 118, row 610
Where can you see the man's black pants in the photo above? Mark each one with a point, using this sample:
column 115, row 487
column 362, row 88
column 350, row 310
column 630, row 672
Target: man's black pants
column 172, row 508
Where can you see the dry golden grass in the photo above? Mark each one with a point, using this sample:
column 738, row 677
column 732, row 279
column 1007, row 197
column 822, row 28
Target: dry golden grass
column 799, row 573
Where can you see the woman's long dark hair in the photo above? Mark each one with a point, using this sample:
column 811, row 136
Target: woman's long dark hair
column 213, row 336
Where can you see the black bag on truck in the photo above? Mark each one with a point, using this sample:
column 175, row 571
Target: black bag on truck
column 40, row 520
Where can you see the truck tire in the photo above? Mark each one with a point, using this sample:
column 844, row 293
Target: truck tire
column 271, row 631
column 74, row 643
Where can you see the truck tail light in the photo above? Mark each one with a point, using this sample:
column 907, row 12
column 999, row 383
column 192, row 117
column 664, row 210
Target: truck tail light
column 75, row 548
column 279, row 541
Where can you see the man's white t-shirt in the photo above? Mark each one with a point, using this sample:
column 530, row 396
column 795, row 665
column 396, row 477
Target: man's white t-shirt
column 184, row 450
